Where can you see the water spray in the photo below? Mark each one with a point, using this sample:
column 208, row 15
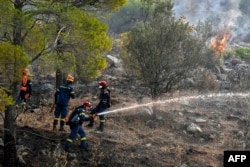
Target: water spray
column 178, row 99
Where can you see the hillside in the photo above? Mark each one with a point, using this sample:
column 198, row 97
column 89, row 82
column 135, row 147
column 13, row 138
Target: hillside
column 180, row 131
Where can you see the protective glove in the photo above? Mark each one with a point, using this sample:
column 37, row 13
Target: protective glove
column 91, row 118
column 27, row 95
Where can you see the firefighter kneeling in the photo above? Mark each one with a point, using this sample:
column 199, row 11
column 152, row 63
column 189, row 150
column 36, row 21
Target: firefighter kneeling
column 75, row 120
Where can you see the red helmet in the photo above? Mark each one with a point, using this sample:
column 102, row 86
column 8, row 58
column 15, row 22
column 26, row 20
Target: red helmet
column 86, row 104
column 103, row 84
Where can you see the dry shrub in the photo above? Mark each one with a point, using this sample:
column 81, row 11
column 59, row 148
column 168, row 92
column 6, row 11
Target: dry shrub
column 208, row 81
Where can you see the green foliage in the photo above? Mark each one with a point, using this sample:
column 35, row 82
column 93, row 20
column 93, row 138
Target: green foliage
column 130, row 62
column 91, row 68
column 115, row 4
column 82, row 35
column 6, row 8
column 122, row 20
column 12, row 60
column 204, row 30
column 5, row 100
column 163, row 50
column 243, row 53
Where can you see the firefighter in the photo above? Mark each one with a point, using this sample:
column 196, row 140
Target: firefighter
column 103, row 104
column 25, row 88
column 75, row 120
column 62, row 97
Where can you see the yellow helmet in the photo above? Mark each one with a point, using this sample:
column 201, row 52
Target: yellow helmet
column 70, row 78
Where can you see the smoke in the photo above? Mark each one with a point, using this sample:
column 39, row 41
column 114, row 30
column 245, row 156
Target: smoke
column 224, row 15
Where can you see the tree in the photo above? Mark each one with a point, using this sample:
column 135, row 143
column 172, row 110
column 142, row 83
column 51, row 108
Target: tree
column 80, row 41
column 32, row 29
column 122, row 20
column 162, row 49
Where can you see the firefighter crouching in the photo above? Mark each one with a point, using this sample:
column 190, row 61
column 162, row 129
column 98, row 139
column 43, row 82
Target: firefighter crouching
column 103, row 104
column 62, row 97
column 75, row 120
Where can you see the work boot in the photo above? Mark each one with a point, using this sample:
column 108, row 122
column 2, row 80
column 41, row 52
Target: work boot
column 101, row 127
column 67, row 147
column 55, row 122
column 69, row 150
column 84, row 147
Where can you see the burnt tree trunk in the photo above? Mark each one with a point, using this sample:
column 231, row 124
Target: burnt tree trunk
column 59, row 78
column 10, row 152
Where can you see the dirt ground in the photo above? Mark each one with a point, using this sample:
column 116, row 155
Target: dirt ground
column 146, row 135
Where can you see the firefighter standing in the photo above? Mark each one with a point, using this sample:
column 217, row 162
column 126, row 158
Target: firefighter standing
column 75, row 122
column 62, row 97
column 25, row 88
column 103, row 104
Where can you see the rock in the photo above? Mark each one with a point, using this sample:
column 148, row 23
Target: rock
column 193, row 128
column 114, row 59
column 200, row 120
column 36, row 110
column 240, row 134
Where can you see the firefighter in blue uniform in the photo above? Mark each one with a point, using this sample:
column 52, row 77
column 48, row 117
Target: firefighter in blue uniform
column 103, row 104
column 75, row 120
column 62, row 97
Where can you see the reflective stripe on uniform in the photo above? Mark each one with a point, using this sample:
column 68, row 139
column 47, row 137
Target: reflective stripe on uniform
column 69, row 140
column 64, row 87
column 83, row 138
column 62, row 119
column 57, row 119
column 81, row 114
column 102, row 120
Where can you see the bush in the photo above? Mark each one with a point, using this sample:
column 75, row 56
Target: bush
column 243, row 53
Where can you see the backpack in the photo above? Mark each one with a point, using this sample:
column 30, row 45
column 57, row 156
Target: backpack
column 70, row 117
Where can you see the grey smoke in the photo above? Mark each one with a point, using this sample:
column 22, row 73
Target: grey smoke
column 224, row 14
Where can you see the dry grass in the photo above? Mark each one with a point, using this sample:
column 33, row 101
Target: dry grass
column 137, row 138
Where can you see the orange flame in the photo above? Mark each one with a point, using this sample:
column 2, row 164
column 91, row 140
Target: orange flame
column 219, row 43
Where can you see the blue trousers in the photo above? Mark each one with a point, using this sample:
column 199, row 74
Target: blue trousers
column 60, row 114
column 73, row 134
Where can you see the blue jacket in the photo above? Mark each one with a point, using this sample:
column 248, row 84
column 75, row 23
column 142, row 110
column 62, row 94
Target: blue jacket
column 64, row 93
column 104, row 98
column 77, row 117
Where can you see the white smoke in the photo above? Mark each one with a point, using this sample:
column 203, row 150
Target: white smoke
column 224, row 14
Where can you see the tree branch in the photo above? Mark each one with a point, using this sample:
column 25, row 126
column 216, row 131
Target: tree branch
column 49, row 49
